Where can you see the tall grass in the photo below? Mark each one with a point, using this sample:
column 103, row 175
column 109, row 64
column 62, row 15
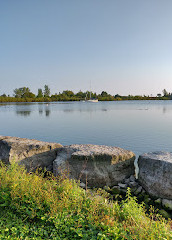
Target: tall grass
column 33, row 207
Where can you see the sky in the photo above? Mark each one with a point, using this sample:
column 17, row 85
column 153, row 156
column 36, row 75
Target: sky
column 119, row 46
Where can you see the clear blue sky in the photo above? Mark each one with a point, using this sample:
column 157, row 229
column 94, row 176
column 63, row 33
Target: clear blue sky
column 121, row 46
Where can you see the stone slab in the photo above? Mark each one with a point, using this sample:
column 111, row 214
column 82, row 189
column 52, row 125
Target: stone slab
column 155, row 173
column 95, row 165
column 29, row 152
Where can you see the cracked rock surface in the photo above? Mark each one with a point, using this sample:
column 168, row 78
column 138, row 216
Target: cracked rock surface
column 94, row 165
column 29, row 152
column 155, row 173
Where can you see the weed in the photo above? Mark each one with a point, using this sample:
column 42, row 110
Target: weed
column 33, row 207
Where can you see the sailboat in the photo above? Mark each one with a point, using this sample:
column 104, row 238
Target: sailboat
column 94, row 100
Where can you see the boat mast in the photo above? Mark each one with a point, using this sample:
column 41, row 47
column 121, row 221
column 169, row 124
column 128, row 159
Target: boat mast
column 90, row 89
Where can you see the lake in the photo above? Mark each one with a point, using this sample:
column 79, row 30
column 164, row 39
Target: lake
column 140, row 126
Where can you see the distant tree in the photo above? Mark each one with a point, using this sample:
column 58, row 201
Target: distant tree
column 165, row 93
column 104, row 94
column 81, row 94
column 23, row 92
column 117, row 95
column 68, row 93
column 18, row 92
column 46, row 91
column 29, row 95
column 40, row 93
column 4, row 95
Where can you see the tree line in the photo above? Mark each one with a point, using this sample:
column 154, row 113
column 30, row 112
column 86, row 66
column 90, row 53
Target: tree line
column 24, row 94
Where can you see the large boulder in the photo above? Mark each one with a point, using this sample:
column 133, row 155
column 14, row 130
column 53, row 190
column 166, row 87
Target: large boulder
column 95, row 165
column 155, row 173
column 31, row 153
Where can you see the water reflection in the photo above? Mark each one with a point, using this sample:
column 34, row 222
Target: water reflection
column 140, row 126
column 47, row 112
column 40, row 111
column 82, row 110
column 45, row 109
column 68, row 110
column 164, row 110
column 23, row 113
column 26, row 109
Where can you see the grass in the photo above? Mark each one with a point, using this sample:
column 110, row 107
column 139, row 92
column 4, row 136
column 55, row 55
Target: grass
column 33, row 207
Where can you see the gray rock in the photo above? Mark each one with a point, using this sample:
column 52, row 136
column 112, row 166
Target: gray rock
column 127, row 180
column 155, row 173
column 31, row 153
column 132, row 178
column 122, row 185
column 95, row 165
column 138, row 190
column 133, row 184
column 115, row 187
column 49, row 168
column 167, row 204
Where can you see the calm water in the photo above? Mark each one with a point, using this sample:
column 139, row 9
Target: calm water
column 140, row 126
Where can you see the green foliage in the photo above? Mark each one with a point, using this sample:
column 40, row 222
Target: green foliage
column 33, row 207
column 68, row 93
column 23, row 92
column 81, row 95
column 46, row 91
column 40, row 93
column 25, row 95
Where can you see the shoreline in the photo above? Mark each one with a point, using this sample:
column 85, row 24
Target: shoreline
column 107, row 167
column 26, row 101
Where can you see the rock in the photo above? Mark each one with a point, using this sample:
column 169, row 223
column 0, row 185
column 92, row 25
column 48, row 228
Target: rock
column 133, row 189
column 31, row 153
column 49, row 168
column 155, row 173
column 167, row 204
column 115, row 187
column 138, row 190
column 122, row 185
column 133, row 184
column 164, row 213
column 94, row 164
column 127, row 180
column 132, row 178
